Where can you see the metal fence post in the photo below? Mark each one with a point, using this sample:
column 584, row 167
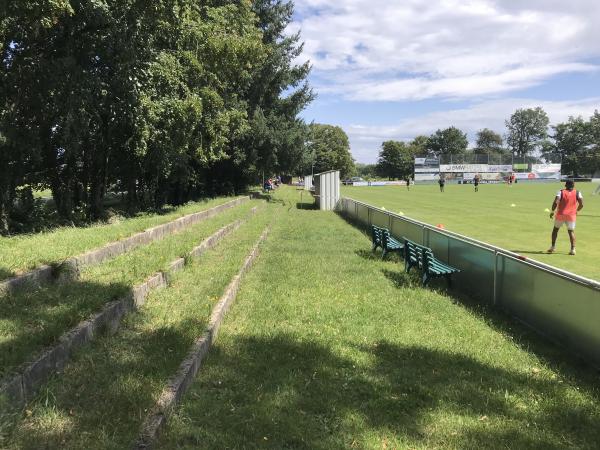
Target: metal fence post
column 495, row 294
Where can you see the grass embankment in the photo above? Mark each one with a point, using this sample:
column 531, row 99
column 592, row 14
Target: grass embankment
column 21, row 253
column 488, row 216
column 330, row 347
column 29, row 321
column 102, row 398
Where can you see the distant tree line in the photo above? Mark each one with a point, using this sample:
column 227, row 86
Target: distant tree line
column 157, row 101
column 575, row 143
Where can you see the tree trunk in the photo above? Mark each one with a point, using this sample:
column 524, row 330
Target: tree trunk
column 4, row 209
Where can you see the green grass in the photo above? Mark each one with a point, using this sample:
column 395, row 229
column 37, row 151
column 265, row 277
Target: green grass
column 326, row 347
column 21, row 253
column 489, row 217
column 329, row 347
column 103, row 396
column 29, row 321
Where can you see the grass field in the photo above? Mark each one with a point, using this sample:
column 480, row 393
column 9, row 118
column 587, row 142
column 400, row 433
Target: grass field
column 488, row 216
column 326, row 347
column 25, row 252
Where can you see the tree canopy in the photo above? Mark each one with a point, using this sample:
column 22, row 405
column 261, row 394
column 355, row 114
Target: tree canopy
column 489, row 142
column 450, row 141
column 159, row 101
column 396, row 159
column 330, row 148
column 527, row 131
column 576, row 143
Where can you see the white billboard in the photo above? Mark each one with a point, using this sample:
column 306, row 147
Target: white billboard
column 460, row 168
column 483, row 176
column 500, row 168
column 475, row 168
column 426, row 177
column 545, row 168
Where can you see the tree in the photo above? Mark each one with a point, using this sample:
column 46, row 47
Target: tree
column 278, row 93
column 489, row 142
column 419, row 143
column 366, row 170
column 450, row 141
column 576, row 144
column 331, row 148
column 527, row 130
column 593, row 154
column 396, row 159
column 163, row 101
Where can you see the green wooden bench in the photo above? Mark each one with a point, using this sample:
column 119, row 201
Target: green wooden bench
column 422, row 257
column 390, row 244
column 382, row 238
column 376, row 233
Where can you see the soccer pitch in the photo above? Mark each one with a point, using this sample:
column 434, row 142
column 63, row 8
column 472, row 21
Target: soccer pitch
column 488, row 215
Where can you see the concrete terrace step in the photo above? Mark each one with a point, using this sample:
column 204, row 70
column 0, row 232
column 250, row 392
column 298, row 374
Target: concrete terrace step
column 20, row 387
column 69, row 269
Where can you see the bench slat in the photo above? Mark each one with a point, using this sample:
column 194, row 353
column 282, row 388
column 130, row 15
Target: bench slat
column 423, row 258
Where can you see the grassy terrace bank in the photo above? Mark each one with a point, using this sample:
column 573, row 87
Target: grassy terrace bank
column 328, row 347
column 29, row 321
column 21, row 253
column 487, row 215
column 101, row 399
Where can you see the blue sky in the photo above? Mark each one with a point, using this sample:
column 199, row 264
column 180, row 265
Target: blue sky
column 387, row 69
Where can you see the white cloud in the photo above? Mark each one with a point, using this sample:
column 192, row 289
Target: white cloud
column 366, row 140
column 414, row 49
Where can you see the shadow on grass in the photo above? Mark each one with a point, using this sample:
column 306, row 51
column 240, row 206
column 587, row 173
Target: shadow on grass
column 6, row 273
column 307, row 205
column 401, row 279
column 369, row 254
column 556, row 357
column 33, row 320
column 300, row 394
column 267, row 197
column 103, row 396
column 375, row 255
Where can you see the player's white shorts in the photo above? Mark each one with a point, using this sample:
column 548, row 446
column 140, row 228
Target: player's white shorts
column 560, row 223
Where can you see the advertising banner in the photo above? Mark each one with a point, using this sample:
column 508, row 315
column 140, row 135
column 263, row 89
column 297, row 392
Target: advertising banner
column 524, row 176
column 427, row 165
column 461, row 168
column 379, row 183
column 539, row 175
column 476, row 168
column 453, row 176
column 500, row 168
column 426, row 177
column 484, row 176
column 546, row 168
